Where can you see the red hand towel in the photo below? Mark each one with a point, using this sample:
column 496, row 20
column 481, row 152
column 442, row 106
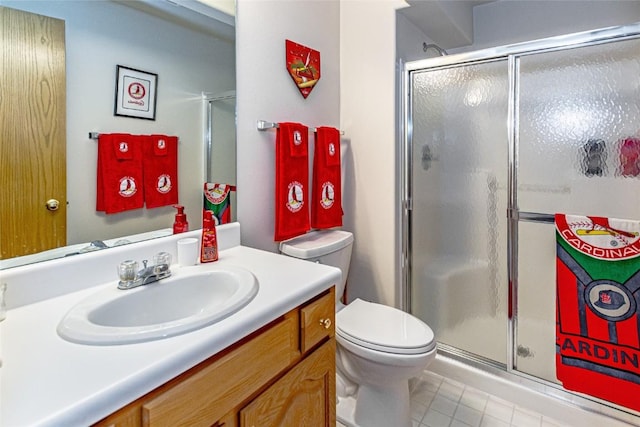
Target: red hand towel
column 326, row 200
column 160, row 170
column 292, row 178
column 119, row 174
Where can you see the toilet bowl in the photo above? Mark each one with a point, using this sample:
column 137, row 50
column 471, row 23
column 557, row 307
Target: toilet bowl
column 379, row 348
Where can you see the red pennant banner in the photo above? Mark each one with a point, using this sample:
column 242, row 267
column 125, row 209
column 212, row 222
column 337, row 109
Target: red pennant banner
column 303, row 64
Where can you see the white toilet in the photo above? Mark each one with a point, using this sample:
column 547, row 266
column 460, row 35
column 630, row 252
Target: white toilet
column 379, row 347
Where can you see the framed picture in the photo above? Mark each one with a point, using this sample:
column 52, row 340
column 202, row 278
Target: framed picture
column 135, row 93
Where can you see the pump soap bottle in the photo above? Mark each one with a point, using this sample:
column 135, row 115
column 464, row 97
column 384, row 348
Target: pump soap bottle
column 180, row 224
column 209, row 248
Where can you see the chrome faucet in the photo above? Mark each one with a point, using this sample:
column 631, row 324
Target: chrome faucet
column 131, row 277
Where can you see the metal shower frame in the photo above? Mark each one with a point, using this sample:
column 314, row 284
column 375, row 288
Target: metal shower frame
column 207, row 110
column 510, row 53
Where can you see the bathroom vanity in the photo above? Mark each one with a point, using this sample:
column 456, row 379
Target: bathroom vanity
column 281, row 375
column 272, row 362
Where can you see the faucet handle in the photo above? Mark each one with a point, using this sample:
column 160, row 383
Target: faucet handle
column 127, row 270
column 161, row 262
column 162, row 258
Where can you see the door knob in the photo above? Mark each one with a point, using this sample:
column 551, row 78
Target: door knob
column 53, row 204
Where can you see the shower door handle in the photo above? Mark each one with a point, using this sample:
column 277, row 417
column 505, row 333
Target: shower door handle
column 533, row 217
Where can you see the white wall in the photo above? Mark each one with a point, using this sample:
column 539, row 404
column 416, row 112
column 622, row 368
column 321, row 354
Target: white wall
column 357, row 62
column 265, row 91
column 511, row 21
column 367, row 110
column 100, row 35
column 357, row 45
column 409, row 41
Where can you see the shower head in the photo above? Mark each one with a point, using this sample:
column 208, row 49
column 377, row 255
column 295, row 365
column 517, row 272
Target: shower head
column 427, row 46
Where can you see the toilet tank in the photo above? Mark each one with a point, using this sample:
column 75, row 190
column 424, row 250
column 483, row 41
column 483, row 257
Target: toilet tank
column 328, row 247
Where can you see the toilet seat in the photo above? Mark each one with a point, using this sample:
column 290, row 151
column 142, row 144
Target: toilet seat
column 383, row 328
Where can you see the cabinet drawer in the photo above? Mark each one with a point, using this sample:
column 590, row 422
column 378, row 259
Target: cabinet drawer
column 317, row 320
column 207, row 395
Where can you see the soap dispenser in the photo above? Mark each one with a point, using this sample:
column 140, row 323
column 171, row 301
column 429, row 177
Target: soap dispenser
column 180, row 224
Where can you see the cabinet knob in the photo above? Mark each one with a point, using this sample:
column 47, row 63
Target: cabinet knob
column 326, row 323
column 53, row 204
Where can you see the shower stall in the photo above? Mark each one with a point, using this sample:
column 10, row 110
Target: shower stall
column 495, row 142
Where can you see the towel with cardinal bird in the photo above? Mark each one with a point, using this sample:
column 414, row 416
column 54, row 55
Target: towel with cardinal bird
column 119, row 173
column 326, row 194
column 134, row 170
column 598, row 297
column 160, row 170
column 292, row 178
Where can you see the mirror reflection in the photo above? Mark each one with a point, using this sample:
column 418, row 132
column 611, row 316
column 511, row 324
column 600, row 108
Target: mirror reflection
column 220, row 142
column 192, row 54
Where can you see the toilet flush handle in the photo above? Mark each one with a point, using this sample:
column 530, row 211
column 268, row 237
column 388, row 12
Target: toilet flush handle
column 326, row 323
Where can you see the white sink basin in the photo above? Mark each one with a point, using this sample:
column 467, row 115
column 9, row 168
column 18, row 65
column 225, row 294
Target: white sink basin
column 190, row 299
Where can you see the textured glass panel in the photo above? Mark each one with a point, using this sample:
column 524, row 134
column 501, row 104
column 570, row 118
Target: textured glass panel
column 535, row 333
column 579, row 147
column 458, row 229
column 579, row 152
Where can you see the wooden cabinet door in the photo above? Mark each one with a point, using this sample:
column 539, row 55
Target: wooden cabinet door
column 32, row 133
column 211, row 392
column 303, row 397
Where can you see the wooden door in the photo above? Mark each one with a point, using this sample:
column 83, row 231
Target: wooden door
column 303, row 397
column 32, row 133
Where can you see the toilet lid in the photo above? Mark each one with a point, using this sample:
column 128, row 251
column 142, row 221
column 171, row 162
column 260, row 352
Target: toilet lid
column 383, row 328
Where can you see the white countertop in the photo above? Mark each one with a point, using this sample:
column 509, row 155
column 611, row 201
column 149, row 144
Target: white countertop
column 45, row 380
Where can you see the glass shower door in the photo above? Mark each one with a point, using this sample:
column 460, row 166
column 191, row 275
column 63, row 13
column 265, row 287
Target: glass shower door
column 458, row 190
column 579, row 115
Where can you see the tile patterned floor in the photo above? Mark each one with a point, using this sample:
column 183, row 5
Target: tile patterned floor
column 441, row 402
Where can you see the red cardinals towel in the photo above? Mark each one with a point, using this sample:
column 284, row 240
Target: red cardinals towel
column 598, row 298
column 292, row 177
column 326, row 199
column 160, row 171
column 119, row 174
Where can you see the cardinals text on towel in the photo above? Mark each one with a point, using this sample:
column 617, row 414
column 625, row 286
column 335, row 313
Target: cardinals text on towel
column 597, row 306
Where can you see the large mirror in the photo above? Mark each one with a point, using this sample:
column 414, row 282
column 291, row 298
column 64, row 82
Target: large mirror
column 190, row 45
